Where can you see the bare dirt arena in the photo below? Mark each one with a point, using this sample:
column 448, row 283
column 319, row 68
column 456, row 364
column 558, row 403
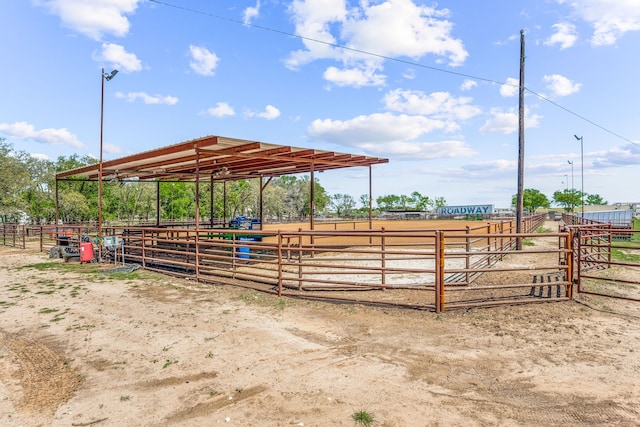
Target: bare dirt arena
column 84, row 348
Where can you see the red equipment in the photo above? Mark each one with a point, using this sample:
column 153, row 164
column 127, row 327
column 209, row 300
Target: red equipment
column 86, row 252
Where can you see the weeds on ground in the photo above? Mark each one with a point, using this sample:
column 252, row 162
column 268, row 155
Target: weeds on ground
column 169, row 362
column 363, row 418
column 259, row 298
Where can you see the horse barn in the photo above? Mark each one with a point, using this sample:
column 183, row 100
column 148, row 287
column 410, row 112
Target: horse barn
column 421, row 264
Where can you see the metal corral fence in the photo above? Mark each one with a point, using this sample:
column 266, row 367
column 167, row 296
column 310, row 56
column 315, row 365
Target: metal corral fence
column 417, row 268
column 424, row 269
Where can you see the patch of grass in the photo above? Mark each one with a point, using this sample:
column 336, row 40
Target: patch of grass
column 53, row 265
column 49, row 292
column 212, row 393
column 363, row 418
column 624, row 256
column 168, row 363
column 209, row 355
column 48, row 310
column 259, row 298
column 125, row 398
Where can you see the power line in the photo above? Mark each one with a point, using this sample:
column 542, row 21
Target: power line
column 581, row 117
column 402, row 61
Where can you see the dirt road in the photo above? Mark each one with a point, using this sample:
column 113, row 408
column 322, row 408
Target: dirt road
column 79, row 347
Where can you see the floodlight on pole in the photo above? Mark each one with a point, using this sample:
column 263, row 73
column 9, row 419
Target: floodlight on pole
column 103, row 77
column 579, row 138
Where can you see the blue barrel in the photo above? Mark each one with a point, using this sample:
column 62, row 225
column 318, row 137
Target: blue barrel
column 243, row 252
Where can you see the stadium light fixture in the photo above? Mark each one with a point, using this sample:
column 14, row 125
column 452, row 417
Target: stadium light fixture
column 103, row 77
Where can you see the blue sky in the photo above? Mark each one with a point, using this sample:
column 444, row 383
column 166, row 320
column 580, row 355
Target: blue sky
column 431, row 86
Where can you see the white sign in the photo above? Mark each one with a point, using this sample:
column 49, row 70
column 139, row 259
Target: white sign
column 465, row 210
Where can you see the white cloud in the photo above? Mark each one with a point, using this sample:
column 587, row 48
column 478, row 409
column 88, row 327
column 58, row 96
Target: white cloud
column 389, row 135
column 507, row 122
column 222, row 109
column 270, row 113
column 24, row 130
column 565, row 36
column 250, row 13
column 560, row 85
column 93, row 18
column 468, row 85
column 390, row 28
column 40, row 156
column 119, row 58
column 610, row 18
column 354, row 77
column 628, row 154
column 441, row 105
column 111, row 148
column 510, row 88
column 203, row 61
column 415, row 150
column 373, row 129
column 148, row 99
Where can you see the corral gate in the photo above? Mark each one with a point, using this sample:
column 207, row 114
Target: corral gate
column 607, row 261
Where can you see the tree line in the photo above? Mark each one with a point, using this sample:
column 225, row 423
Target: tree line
column 27, row 193
column 567, row 199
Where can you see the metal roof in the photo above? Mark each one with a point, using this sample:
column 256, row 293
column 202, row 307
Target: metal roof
column 219, row 158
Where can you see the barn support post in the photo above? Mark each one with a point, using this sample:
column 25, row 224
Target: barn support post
column 57, row 213
column 370, row 205
column 197, row 240
column 224, row 201
column 312, row 206
column 260, row 202
column 211, row 211
column 158, row 203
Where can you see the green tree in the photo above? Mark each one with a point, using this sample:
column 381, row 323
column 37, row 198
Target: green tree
column 14, row 178
column 177, row 200
column 532, row 200
column 388, row 202
column 568, row 199
column 343, row 204
column 594, row 200
column 73, row 207
column 421, row 202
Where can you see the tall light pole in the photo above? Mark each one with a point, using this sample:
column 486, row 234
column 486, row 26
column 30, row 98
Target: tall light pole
column 572, row 187
column 579, row 138
column 103, row 77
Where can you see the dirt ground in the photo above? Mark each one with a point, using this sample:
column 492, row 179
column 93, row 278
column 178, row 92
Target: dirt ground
column 79, row 347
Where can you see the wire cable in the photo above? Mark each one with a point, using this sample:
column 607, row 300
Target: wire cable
column 402, row 61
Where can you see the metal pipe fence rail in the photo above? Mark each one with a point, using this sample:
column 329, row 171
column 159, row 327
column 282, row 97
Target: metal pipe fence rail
column 13, row 235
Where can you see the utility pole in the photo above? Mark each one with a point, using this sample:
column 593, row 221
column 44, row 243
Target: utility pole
column 520, row 202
